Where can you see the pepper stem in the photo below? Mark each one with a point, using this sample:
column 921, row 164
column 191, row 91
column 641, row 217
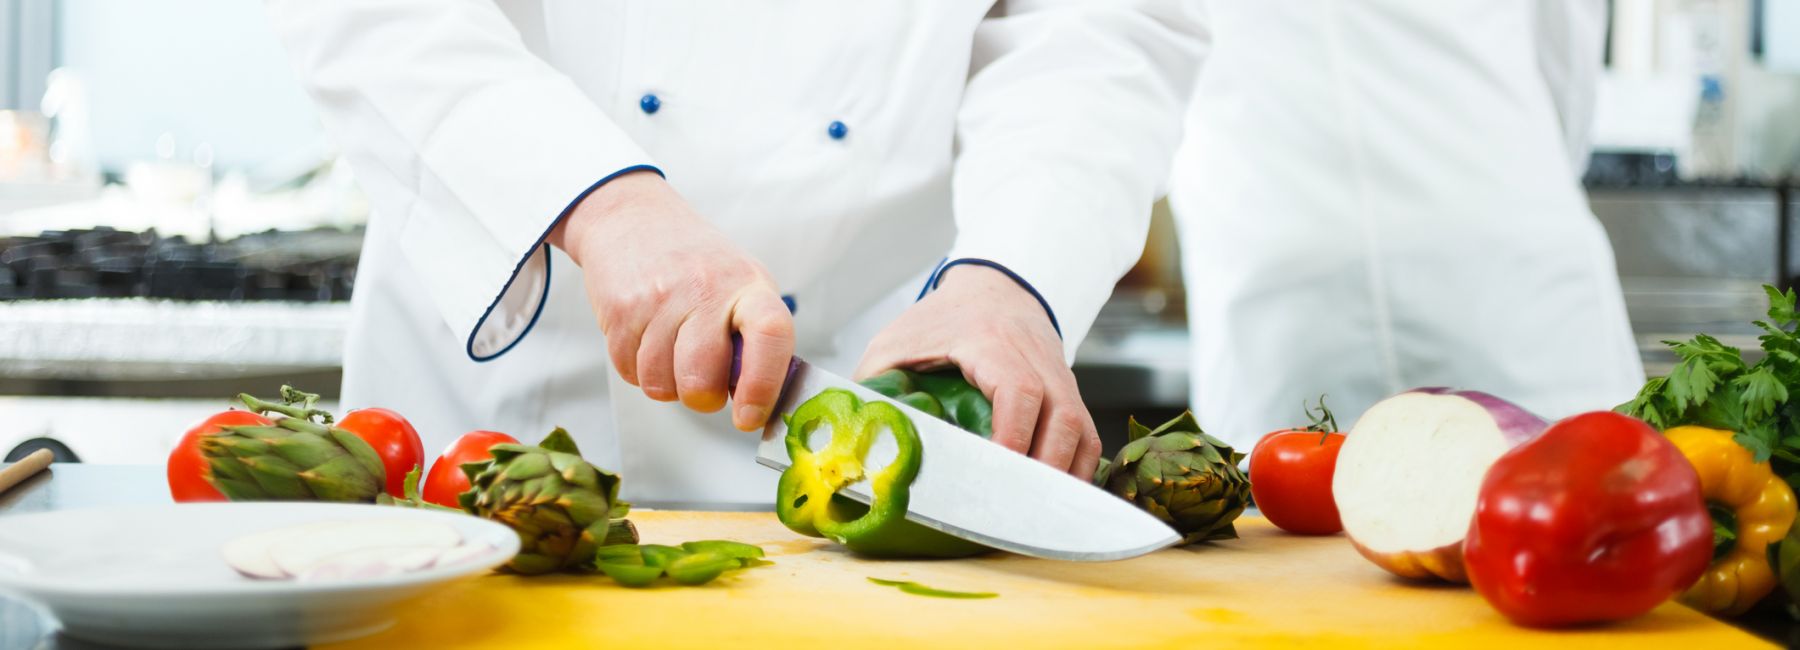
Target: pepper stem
column 1725, row 529
column 297, row 404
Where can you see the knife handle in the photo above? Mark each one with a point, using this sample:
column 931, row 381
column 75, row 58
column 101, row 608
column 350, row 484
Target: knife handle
column 737, row 362
column 737, row 359
column 737, row 365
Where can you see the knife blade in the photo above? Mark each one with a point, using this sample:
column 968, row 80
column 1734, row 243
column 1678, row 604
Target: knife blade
column 974, row 489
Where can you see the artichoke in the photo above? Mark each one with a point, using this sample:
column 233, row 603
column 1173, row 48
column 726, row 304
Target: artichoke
column 558, row 503
column 1183, row 476
column 294, row 459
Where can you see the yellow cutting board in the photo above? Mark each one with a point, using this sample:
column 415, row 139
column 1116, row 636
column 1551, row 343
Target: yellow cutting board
column 1267, row 589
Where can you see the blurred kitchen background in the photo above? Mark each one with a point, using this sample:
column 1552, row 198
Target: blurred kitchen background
column 175, row 229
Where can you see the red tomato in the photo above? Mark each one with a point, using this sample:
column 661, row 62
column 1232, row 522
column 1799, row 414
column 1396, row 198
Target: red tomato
column 394, row 441
column 1599, row 518
column 188, row 471
column 1290, row 478
column 1290, row 475
column 447, row 480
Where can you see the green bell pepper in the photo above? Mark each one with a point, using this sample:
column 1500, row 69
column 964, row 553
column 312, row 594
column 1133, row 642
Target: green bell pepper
column 808, row 502
column 943, row 394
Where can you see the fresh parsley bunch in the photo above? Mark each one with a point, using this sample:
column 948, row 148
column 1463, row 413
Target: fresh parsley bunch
column 1713, row 387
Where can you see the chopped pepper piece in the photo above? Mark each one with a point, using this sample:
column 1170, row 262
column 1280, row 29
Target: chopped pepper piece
column 728, row 548
column 614, row 553
column 694, row 563
column 917, row 589
column 631, row 575
column 701, row 568
column 807, row 500
column 1752, row 508
column 658, row 555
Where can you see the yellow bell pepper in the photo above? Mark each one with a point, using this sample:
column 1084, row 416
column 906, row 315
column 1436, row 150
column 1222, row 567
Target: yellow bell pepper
column 1763, row 506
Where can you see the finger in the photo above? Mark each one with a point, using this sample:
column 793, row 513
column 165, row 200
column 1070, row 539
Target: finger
column 703, row 360
column 767, row 328
column 656, row 356
column 1017, row 394
column 883, row 355
column 1059, row 434
column 624, row 333
column 1087, row 457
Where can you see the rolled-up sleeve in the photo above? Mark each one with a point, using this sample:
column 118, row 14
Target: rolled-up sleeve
column 452, row 125
column 1064, row 140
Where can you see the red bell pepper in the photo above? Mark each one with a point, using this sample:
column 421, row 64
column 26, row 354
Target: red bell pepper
column 1597, row 519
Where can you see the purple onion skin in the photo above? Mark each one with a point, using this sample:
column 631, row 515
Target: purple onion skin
column 1516, row 423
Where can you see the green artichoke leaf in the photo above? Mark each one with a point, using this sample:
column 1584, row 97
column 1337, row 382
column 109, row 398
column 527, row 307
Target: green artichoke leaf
column 559, row 440
column 1135, row 431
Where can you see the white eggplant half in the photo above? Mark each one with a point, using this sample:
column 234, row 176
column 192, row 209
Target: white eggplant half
column 1410, row 470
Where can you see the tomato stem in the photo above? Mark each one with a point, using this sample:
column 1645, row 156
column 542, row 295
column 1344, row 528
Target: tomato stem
column 1322, row 420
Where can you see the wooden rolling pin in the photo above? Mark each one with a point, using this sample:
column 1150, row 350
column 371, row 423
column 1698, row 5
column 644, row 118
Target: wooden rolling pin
column 28, row 466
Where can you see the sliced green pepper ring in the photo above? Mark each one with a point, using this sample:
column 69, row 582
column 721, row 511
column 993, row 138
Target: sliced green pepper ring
column 808, row 500
column 815, row 477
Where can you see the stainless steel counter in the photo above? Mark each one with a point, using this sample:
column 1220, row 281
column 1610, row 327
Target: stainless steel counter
column 67, row 486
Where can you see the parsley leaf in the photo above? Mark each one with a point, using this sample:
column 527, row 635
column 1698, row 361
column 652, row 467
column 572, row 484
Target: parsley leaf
column 1781, row 306
column 1690, row 383
column 1762, row 392
column 1712, row 386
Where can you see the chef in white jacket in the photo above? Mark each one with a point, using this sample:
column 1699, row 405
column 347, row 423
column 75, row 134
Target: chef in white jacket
column 576, row 202
column 1384, row 194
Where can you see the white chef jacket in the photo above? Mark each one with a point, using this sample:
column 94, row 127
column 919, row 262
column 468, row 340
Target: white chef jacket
column 1379, row 195
column 852, row 148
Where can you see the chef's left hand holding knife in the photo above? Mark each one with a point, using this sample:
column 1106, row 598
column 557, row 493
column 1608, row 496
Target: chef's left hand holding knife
column 1063, row 140
column 985, row 323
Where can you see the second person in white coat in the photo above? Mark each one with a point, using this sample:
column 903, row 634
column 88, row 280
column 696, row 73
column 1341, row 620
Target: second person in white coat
column 1380, row 195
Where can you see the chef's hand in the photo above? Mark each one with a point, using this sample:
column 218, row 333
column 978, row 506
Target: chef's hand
column 986, row 324
column 669, row 289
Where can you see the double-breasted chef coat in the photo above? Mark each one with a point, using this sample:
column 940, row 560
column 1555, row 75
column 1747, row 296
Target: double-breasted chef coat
column 1384, row 194
column 851, row 147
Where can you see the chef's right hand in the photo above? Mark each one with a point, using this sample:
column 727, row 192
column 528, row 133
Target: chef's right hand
column 669, row 289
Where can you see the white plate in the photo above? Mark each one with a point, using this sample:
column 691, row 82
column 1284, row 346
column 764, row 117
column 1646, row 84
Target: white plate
column 152, row 576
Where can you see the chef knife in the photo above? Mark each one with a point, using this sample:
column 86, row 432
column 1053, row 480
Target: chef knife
column 972, row 488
